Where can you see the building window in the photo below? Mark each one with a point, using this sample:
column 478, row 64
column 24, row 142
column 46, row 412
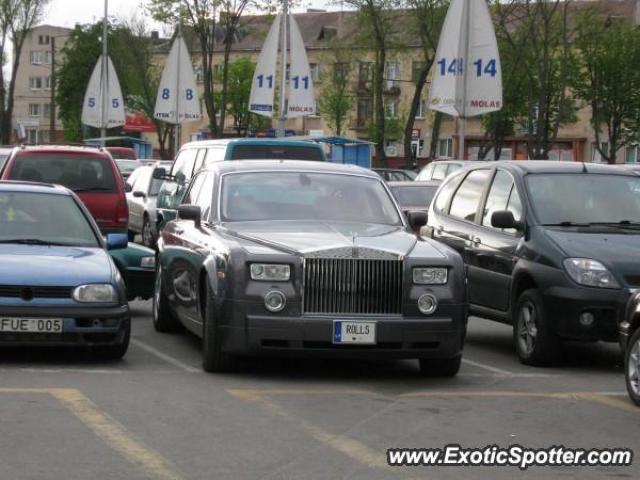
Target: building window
column 632, row 155
column 364, row 71
column 32, row 135
column 40, row 58
column 47, row 82
column 315, row 72
column 364, row 112
column 445, row 148
column 596, row 157
column 392, row 74
column 35, row 83
column 340, row 72
column 197, row 70
column 43, row 40
column 416, row 68
column 46, row 110
column 34, row 109
column 422, row 109
column 391, row 108
column 45, row 136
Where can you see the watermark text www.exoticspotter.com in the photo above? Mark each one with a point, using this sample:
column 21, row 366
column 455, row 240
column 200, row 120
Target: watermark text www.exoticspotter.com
column 513, row 456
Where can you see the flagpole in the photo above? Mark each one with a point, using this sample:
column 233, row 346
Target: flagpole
column 105, row 76
column 283, row 90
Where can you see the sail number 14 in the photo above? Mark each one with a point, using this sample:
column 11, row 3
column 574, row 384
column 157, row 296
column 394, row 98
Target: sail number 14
column 456, row 67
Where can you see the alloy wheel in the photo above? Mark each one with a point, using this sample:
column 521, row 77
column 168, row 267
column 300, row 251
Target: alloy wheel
column 633, row 367
column 527, row 330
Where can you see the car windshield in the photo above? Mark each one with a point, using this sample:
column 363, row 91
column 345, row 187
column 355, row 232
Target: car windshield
column 584, row 198
column 77, row 172
column 414, row 195
column 154, row 188
column 276, row 152
column 306, row 196
column 3, row 158
column 127, row 166
column 39, row 218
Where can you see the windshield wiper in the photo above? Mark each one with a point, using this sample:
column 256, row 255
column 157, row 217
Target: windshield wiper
column 620, row 224
column 35, row 241
column 92, row 189
column 567, row 224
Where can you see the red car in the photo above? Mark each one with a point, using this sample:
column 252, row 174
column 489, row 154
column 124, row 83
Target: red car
column 89, row 171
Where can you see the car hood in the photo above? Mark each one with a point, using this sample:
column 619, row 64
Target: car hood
column 619, row 251
column 307, row 237
column 53, row 266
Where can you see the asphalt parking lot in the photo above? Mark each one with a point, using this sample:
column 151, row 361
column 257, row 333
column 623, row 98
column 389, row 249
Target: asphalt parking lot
column 156, row 415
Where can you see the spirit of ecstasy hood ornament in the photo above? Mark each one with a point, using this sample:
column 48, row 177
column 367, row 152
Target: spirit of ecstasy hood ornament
column 354, row 248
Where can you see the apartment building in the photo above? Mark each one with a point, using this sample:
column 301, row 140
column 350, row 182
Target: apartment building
column 33, row 95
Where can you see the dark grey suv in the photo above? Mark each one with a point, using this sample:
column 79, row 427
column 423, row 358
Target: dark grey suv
column 550, row 247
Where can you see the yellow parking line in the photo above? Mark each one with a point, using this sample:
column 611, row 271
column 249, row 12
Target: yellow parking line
column 625, row 405
column 109, row 430
column 256, row 394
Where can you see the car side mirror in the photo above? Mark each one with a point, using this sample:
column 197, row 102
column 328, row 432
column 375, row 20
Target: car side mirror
column 139, row 194
column 159, row 173
column 504, row 219
column 127, row 188
column 190, row 212
column 417, row 219
column 116, row 241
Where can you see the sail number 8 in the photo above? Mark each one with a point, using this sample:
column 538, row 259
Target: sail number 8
column 456, row 67
column 166, row 94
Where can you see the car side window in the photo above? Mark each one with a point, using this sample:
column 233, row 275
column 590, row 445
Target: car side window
column 515, row 204
column 132, row 178
column 141, row 183
column 205, row 195
column 194, row 189
column 498, row 197
column 453, row 167
column 215, row 154
column 444, row 196
column 183, row 166
column 467, row 198
column 440, row 171
column 202, row 153
column 425, row 173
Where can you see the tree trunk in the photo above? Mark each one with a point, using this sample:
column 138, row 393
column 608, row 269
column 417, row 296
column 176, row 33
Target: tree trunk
column 225, row 84
column 413, row 109
column 435, row 135
column 378, row 101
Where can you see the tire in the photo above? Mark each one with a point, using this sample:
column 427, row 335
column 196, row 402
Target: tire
column 535, row 341
column 164, row 320
column 148, row 239
column 214, row 360
column 440, row 367
column 632, row 367
column 117, row 351
column 131, row 235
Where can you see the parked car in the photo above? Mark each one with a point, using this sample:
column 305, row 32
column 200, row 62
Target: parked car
column 396, row 174
column 122, row 153
column 193, row 156
column 551, row 247
column 127, row 167
column 141, row 198
column 629, row 330
column 92, row 174
column 440, row 169
column 58, row 285
column 307, row 258
column 414, row 196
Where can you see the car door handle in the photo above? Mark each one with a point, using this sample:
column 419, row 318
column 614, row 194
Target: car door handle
column 439, row 229
column 475, row 241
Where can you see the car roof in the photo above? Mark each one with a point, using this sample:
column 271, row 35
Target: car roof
column 32, row 187
column 552, row 166
column 297, row 165
column 222, row 142
column 62, row 149
column 409, row 183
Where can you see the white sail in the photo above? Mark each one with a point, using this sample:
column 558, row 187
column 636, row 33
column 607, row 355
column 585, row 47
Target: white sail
column 177, row 100
column 467, row 76
column 103, row 91
column 301, row 97
column 264, row 77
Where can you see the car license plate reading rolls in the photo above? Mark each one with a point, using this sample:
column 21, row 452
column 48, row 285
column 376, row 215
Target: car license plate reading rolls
column 30, row 325
column 360, row 333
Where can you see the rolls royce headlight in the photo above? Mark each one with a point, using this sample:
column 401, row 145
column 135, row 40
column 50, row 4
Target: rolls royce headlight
column 430, row 276
column 95, row 293
column 590, row 273
column 148, row 262
column 270, row 272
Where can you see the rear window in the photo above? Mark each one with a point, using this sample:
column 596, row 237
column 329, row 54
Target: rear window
column 275, row 152
column 122, row 153
column 81, row 173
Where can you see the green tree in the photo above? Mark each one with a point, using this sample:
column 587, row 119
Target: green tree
column 610, row 79
column 17, row 18
column 336, row 99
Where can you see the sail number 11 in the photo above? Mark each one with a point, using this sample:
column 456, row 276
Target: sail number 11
column 456, row 67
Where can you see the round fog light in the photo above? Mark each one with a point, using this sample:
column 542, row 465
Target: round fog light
column 587, row 319
column 274, row 301
column 427, row 304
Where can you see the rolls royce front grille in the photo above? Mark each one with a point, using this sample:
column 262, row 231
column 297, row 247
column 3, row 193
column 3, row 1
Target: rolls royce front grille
column 352, row 286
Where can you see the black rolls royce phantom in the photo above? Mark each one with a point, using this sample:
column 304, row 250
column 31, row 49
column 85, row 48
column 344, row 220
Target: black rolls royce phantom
column 307, row 258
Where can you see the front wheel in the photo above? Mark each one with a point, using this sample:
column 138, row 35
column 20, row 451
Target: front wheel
column 440, row 367
column 214, row 360
column 164, row 319
column 535, row 341
column 148, row 239
column 632, row 367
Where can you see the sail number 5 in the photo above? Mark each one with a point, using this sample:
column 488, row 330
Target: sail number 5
column 456, row 67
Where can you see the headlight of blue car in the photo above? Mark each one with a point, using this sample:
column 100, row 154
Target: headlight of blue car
column 95, row 293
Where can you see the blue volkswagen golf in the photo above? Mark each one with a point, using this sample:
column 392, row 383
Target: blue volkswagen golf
column 58, row 284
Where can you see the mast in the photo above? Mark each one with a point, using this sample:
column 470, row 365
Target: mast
column 105, row 76
column 178, row 93
column 280, row 132
column 462, row 117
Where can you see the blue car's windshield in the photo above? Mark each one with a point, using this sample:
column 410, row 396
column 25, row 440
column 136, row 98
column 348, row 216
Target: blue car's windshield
column 306, row 196
column 584, row 198
column 38, row 218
